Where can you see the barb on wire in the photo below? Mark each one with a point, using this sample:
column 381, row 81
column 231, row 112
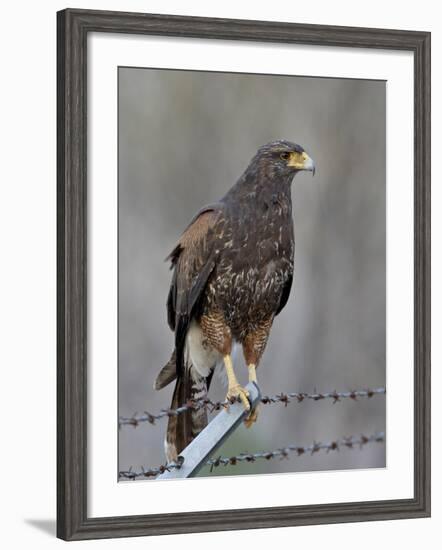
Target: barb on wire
column 285, row 398
column 351, row 442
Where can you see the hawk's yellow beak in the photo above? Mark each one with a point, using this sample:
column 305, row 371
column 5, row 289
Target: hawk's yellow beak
column 301, row 161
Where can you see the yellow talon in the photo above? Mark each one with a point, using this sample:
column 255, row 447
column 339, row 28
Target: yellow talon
column 234, row 389
column 238, row 391
column 252, row 418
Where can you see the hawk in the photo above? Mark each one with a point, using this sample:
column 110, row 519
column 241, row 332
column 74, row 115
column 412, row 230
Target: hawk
column 232, row 274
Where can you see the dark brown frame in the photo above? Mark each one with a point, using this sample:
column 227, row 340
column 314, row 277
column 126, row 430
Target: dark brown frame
column 73, row 27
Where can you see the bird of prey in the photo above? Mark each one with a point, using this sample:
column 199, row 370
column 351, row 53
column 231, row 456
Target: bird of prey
column 232, row 274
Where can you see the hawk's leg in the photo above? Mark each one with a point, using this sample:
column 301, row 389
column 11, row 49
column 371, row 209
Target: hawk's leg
column 219, row 336
column 252, row 373
column 253, row 347
column 234, row 388
column 253, row 416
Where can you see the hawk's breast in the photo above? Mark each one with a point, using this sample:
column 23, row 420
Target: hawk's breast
column 256, row 263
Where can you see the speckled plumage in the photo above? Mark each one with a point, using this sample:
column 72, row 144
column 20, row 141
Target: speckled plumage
column 232, row 273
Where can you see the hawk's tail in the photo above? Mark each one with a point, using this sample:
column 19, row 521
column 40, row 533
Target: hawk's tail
column 184, row 427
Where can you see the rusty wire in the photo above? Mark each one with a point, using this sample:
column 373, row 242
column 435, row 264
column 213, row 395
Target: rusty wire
column 351, row 442
column 284, row 398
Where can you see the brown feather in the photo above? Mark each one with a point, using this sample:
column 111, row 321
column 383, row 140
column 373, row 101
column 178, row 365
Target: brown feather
column 183, row 428
column 193, row 260
column 167, row 374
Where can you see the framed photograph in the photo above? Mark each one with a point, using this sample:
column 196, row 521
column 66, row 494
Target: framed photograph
column 283, row 173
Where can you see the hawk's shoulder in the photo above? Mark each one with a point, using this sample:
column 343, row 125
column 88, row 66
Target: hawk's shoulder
column 197, row 231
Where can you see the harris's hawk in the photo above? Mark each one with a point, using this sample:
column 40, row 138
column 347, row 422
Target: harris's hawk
column 232, row 274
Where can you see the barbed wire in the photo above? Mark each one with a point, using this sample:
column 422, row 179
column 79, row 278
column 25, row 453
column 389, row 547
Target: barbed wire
column 284, row 398
column 284, row 452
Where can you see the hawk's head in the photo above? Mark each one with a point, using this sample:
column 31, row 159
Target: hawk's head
column 284, row 157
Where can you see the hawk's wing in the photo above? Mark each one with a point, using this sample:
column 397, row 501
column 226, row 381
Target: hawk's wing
column 193, row 260
column 285, row 294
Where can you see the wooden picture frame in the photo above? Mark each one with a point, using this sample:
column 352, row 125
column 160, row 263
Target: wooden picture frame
column 73, row 27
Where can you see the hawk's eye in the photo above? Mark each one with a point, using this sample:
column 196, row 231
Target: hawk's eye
column 284, row 156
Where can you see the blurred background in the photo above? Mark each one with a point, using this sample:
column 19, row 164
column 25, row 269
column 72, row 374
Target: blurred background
column 184, row 138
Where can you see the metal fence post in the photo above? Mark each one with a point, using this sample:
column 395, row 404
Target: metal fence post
column 195, row 455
